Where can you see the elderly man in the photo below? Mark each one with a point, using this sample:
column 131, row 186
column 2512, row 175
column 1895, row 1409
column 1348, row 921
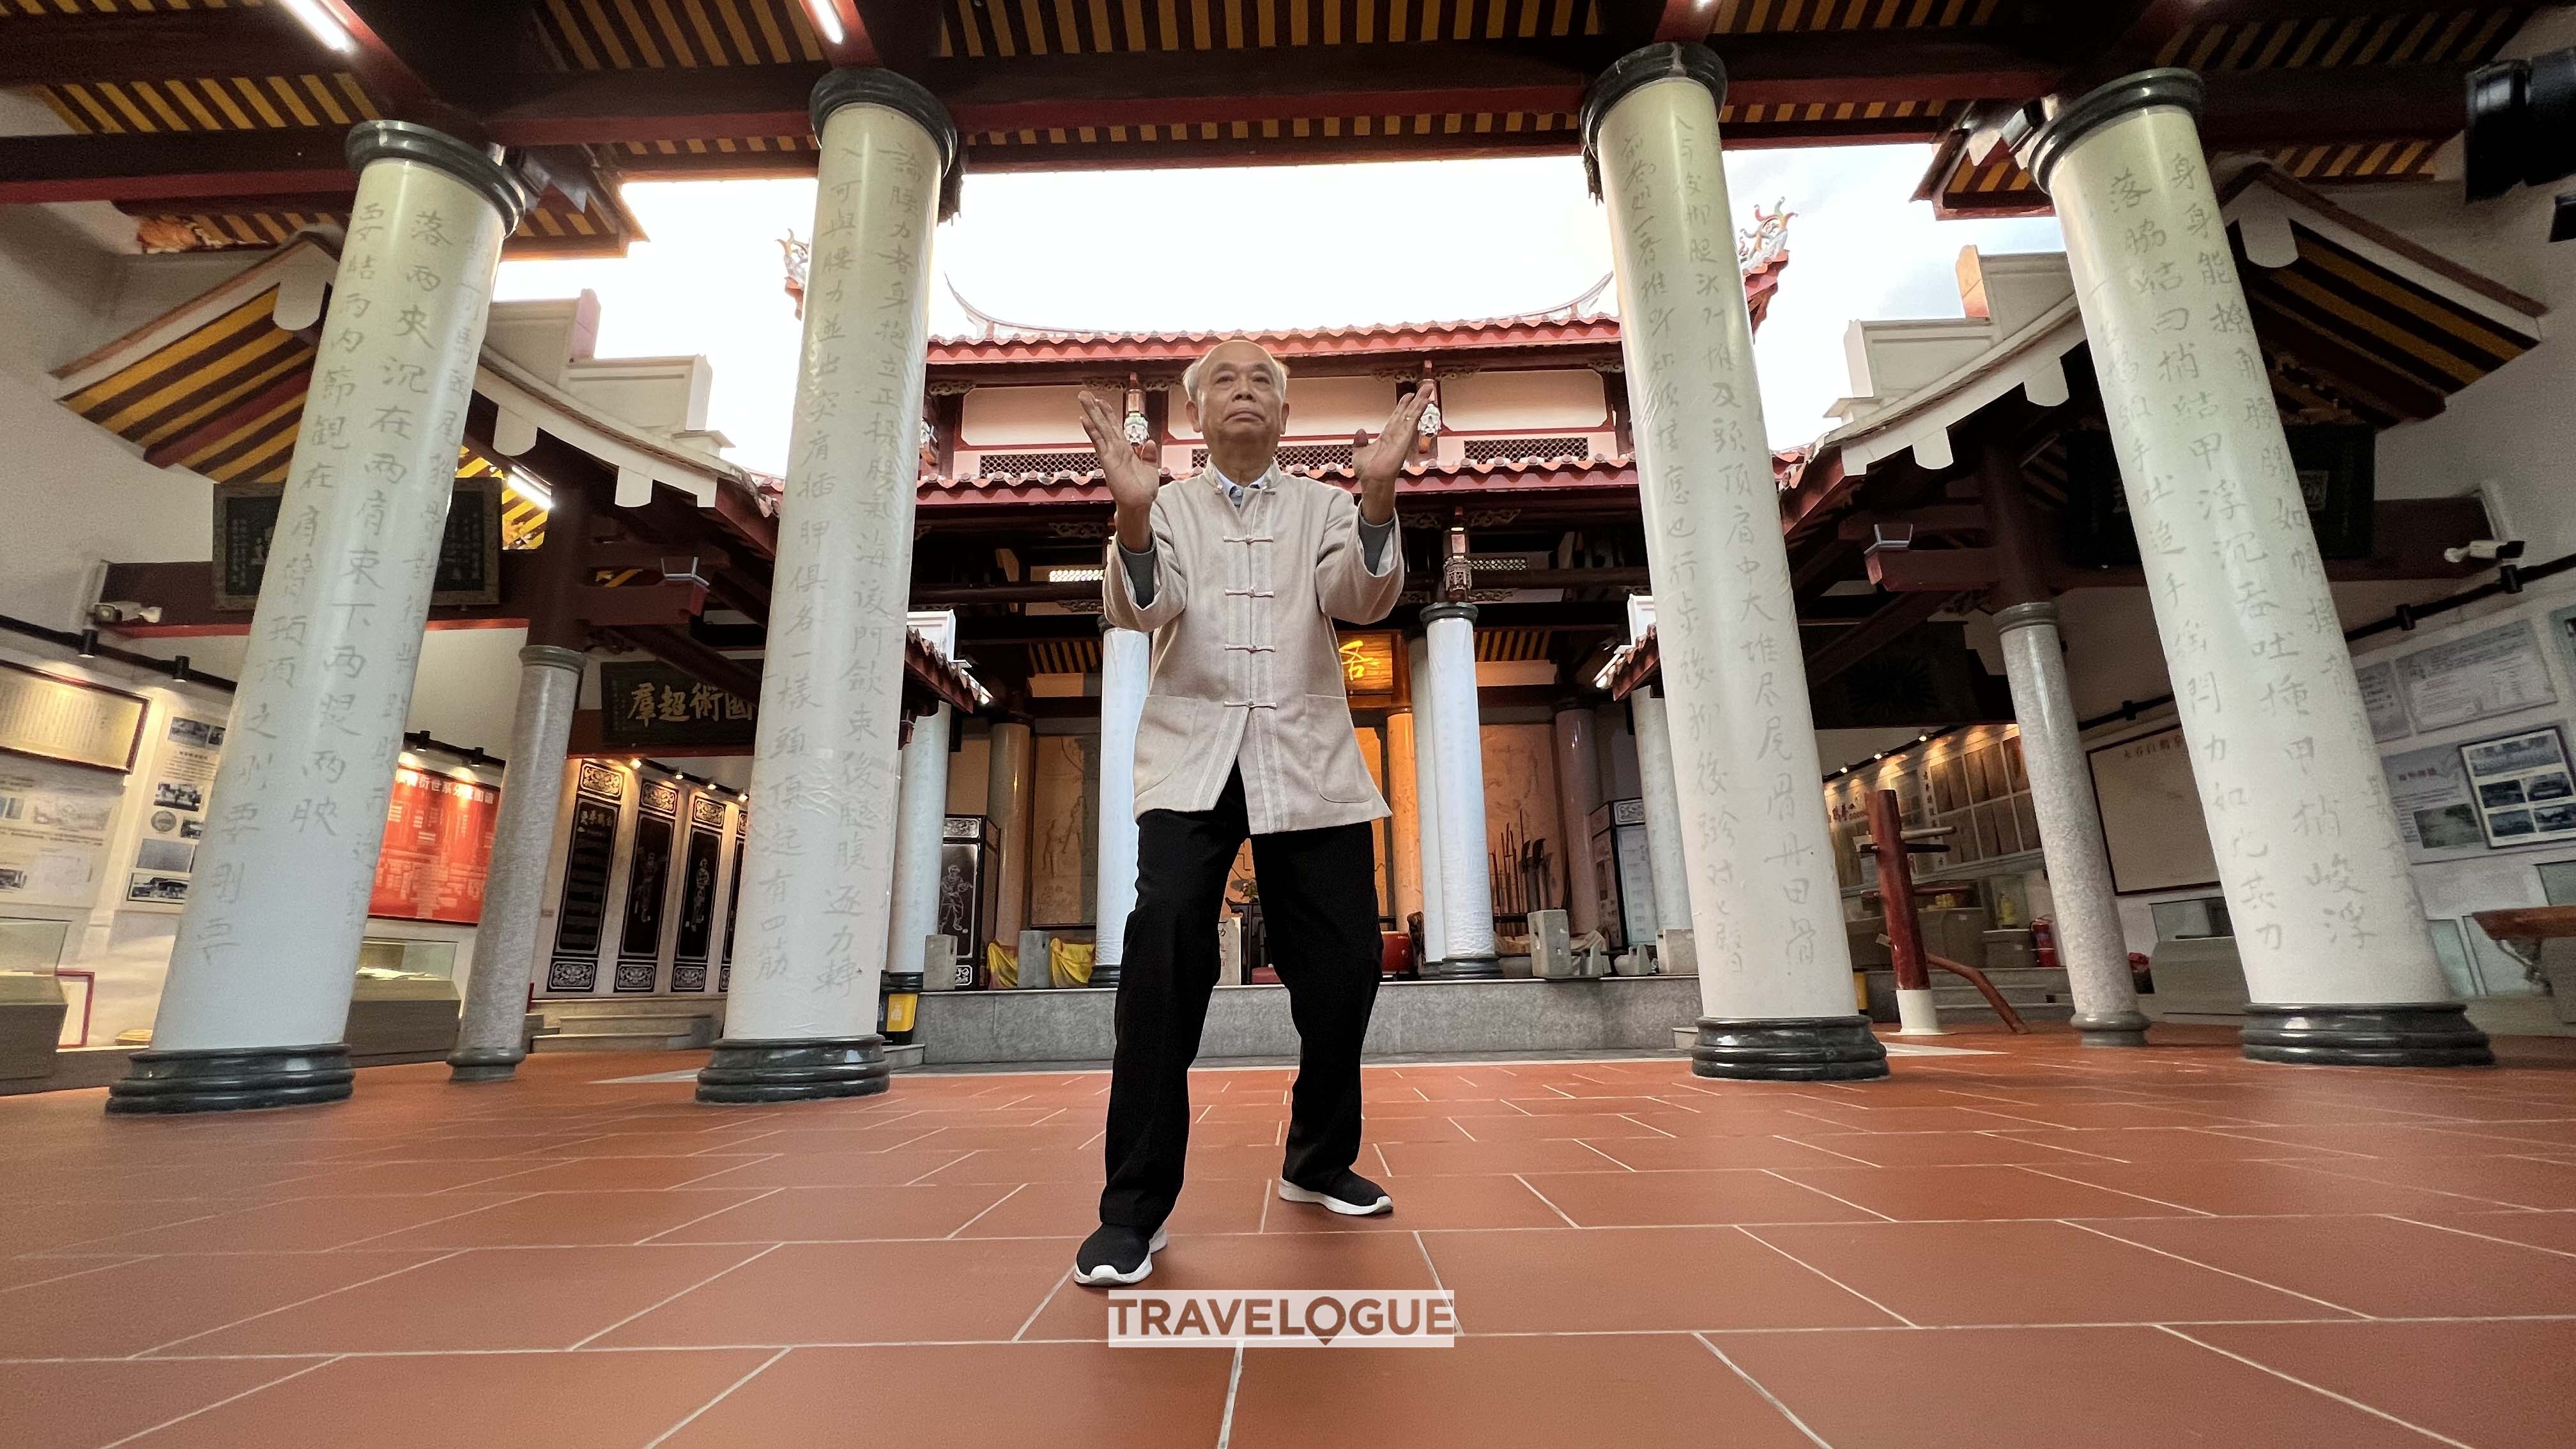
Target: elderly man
column 1239, row 573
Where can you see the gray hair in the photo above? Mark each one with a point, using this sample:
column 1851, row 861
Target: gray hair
column 1190, row 374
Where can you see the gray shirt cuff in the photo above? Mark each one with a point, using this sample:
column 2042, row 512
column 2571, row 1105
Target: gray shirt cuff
column 1140, row 573
column 1373, row 537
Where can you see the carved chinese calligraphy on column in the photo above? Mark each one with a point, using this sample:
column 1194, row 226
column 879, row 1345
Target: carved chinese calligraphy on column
column 2289, row 778
column 828, row 766
column 299, row 805
column 1763, row 901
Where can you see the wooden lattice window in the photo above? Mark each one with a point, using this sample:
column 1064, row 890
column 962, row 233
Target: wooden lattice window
column 1302, row 457
column 1008, row 465
column 1522, row 450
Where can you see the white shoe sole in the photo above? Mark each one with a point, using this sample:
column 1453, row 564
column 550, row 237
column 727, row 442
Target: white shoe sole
column 1291, row 1192
column 1099, row 1276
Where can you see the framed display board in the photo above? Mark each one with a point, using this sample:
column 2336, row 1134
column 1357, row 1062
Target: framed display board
column 469, row 548
column 2522, row 786
column 47, row 717
column 2151, row 818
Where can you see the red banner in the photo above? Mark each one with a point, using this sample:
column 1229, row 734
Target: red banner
column 438, row 845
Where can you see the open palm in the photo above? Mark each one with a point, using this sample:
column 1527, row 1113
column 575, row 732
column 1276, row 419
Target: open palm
column 1134, row 475
column 1378, row 460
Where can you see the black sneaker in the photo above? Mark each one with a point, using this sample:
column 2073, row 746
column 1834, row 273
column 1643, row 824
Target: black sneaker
column 1349, row 1194
column 1117, row 1254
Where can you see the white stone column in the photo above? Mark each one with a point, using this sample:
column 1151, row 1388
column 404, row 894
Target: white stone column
column 1766, row 917
column 491, row 1029
column 827, row 765
column 1426, row 789
column 1126, row 668
column 1662, row 799
column 1404, row 802
column 2090, row 946
column 921, row 815
column 2328, row 922
column 267, row 953
column 1578, row 792
column 1466, row 890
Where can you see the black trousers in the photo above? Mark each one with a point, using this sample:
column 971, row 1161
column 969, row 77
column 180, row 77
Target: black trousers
column 1319, row 905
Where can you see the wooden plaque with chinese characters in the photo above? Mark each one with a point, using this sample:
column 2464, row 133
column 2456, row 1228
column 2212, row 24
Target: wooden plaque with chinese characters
column 648, row 705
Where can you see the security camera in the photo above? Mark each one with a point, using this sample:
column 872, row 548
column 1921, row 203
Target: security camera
column 2486, row 550
column 112, row 612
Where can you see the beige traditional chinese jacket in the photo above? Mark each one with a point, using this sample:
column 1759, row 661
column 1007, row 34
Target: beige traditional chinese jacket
column 1247, row 671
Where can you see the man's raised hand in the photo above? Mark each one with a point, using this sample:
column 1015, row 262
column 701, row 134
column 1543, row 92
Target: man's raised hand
column 1133, row 477
column 1380, row 459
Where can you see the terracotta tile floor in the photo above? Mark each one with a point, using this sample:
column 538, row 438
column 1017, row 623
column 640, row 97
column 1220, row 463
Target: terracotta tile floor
column 2032, row 1245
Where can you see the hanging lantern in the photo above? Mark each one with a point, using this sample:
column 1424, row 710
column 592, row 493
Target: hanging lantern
column 1139, row 432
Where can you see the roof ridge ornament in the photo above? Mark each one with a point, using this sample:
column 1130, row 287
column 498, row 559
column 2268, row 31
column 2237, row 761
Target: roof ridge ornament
column 1767, row 241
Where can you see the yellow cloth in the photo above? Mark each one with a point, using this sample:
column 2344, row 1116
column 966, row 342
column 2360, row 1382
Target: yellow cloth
column 1001, row 965
column 1070, row 962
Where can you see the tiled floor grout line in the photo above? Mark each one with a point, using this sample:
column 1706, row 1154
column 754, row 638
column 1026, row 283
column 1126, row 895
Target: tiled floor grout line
column 1649, row 1126
column 647, row 1239
column 1623, row 1332
column 692, row 1417
column 1768, row 1397
column 1828, row 1277
column 1233, row 1384
column 361, row 1243
column 1820, row 1192
column 1524, row 1181
column 1819, row 1147
column 2314, row 1388
column 979, row 1217
column 2212, row 1267
column 2097, row 1187
column 219, row 1403
column 943, row 1167
column 2492, row 1202
column 1601, row 1152
column 116, row 1262
column 2486, row 1237
column 298, row 1303
column 1061, row 1279
column 675, row 1297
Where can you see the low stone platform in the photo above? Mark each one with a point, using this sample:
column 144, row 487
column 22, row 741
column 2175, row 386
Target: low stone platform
column 1623, row 1013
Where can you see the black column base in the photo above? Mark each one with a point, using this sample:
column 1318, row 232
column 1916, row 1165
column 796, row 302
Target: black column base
column 232, row 1079
column 1788, row 1049
column 484, row 1064
column 1464, row 968
column 2405, row 1034
column 2118, row 1029
column 1106, row 974
column 794, row 1069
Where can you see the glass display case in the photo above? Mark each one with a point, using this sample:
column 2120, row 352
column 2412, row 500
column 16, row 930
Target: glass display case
column 32, row 1004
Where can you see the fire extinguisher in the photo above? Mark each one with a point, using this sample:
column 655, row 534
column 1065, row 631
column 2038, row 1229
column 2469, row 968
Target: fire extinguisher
column 2043, row 943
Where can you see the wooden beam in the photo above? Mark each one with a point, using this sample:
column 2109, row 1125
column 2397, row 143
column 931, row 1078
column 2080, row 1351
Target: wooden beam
column 2409, row 535
column 297, row 162
column 185, row 594
column 125, row 46
column 675, row 648
column 1126, row 88
column 1869, row 636
column 2258, row 108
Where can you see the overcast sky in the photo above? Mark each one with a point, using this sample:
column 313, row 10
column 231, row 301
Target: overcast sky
column 1272, row 247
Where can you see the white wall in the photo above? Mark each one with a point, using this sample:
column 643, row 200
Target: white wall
column 1535, row 400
